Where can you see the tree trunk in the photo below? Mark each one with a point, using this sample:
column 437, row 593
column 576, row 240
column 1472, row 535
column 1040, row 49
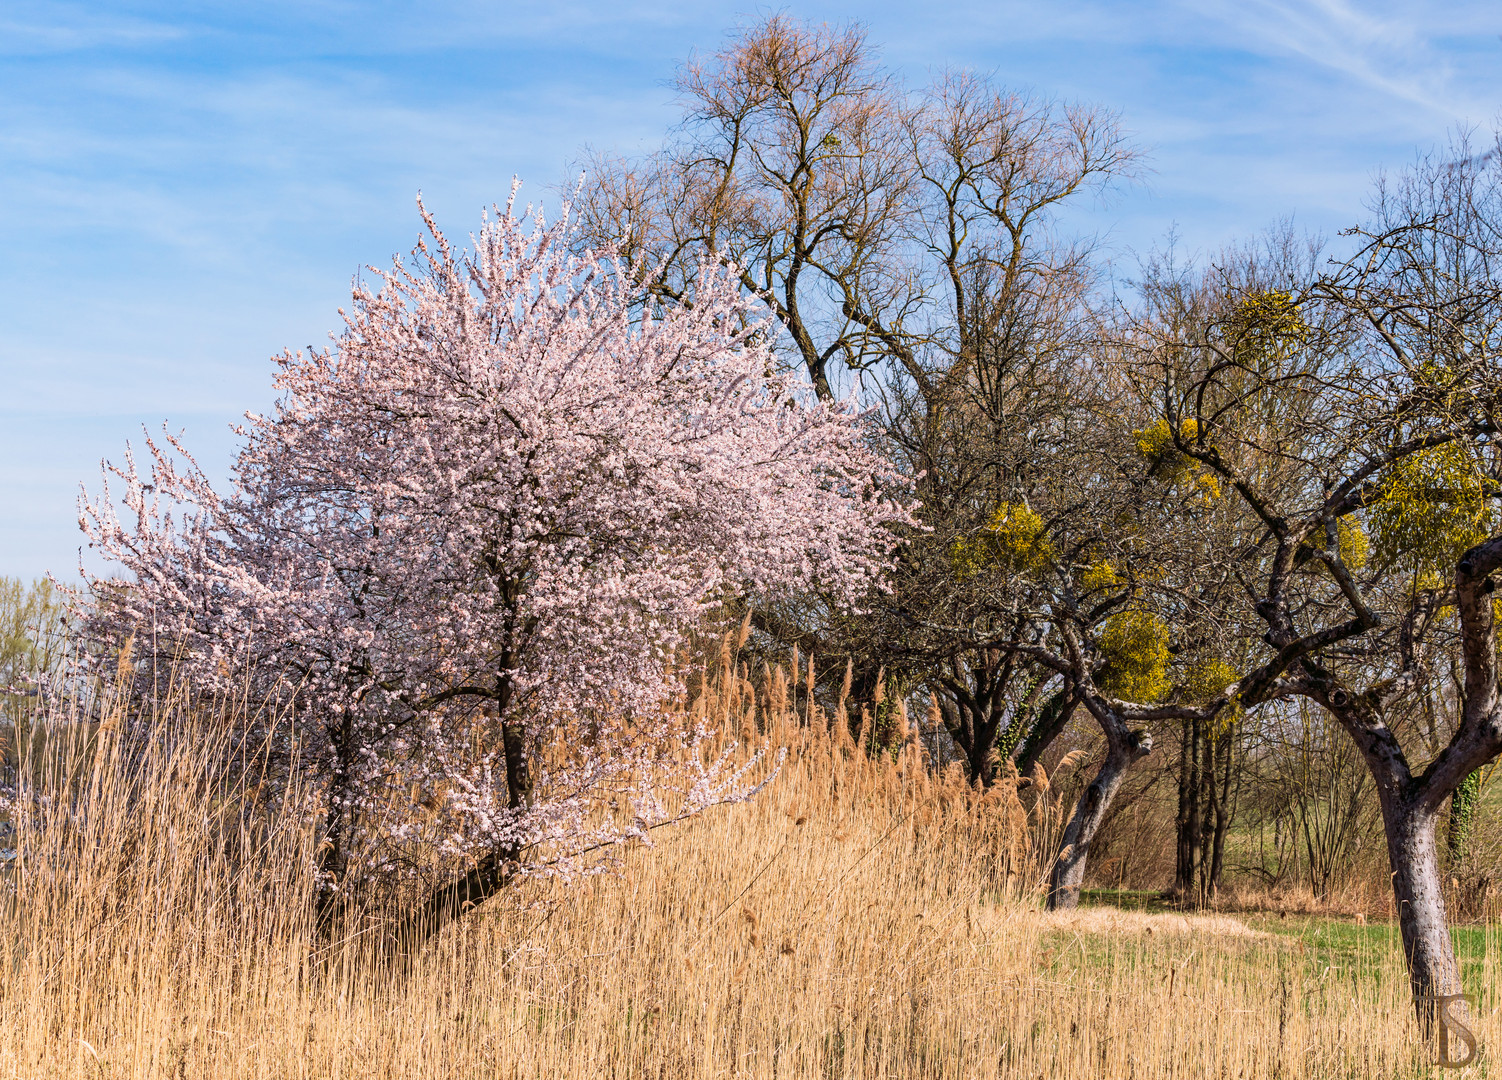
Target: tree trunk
column 1050, row 723
column 448, row 902
column 1069, row 868
column 1411, row 847
column 494, row 871
column 1410, row 813
column 333, row 852
column 1186, row 831
column 972, row 704
column 980, row 764
column 518, row 774
column 1223, row 810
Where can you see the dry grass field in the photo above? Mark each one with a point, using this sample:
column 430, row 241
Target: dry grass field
column 862, row 917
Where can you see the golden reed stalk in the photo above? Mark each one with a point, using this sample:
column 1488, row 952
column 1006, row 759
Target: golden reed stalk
column 862, row 917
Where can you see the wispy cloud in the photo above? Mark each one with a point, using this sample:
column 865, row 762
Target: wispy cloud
column 63, row 28
column 1397, row 52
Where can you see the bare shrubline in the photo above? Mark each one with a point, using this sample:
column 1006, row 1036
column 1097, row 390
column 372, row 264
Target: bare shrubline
column 469, row 540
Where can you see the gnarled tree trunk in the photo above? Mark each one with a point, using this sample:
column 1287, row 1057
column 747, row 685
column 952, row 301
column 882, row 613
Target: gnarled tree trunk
column 1122, row 749
column 1414, row 853
column 1410, row 811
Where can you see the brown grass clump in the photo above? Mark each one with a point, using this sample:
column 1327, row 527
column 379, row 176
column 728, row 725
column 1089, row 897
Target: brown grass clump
column 863, row 917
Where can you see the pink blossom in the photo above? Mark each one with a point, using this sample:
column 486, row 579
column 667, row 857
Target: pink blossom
column 507, row 492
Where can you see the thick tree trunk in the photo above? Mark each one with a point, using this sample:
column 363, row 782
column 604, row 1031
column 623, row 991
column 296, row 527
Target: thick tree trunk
column 1410, row 812
column 1411, row 847
column 1069, row 868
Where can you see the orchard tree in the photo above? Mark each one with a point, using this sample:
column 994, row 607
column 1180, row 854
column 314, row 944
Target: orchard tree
column 1084, row 587
column 1354, row 418
column 469, row 539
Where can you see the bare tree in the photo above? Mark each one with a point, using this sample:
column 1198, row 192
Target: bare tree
column 1354, row 416
column 790, row 164
column 906, row 240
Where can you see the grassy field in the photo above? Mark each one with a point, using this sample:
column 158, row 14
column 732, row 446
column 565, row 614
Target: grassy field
column 861, row 918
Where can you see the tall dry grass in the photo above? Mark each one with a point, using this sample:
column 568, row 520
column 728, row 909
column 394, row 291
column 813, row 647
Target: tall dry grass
column 862, row 917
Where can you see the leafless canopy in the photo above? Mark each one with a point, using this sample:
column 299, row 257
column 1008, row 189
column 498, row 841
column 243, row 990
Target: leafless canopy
column 881, row 224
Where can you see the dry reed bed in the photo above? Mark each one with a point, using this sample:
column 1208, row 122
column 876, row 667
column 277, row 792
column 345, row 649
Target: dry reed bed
column 861, row 918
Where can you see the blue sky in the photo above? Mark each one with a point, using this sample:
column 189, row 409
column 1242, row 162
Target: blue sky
column 185, row 189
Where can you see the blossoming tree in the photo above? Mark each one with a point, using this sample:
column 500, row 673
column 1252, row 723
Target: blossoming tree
column 479, row 527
